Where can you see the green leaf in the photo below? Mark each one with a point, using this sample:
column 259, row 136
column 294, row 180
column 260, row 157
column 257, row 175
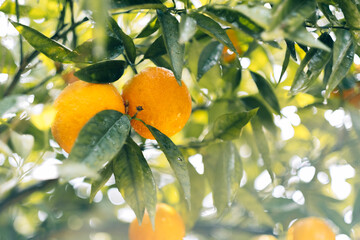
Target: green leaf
column 101, row 139
column 302, row 36
column 9, row 7
column 187, row 28
column 134, row 179
column 84, row 53
column 137, row 4
column 176, row 160
column 150, row 28
column 285, row 63
column 129, row 45
column 233, row 76
column 262, row 144
column 343, row 55
column 156, row 49
column 228, row 126
column 43, row 44
column 315, row 61
column 356, row 207
column 213, row 29
column 266, row 91
column 161, row 62
column 209, row 57
column 223, row 170
column 7, row 63
column 290, row 45
column 237, row 18
column 102, row 72
column 176, row 51
column 259, row 14
column 104, row 176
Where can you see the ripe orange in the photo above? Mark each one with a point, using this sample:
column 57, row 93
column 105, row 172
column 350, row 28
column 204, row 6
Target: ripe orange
column 310, row 228
column 165, row 104
column 228, row 55
column 264, row 237
column 168, row 225
column 77, row 104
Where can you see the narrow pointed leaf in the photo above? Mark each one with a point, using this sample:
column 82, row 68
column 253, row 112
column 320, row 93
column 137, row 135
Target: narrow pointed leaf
column 135, row 181
column 262, row 144
column 102, row 72
column 150, row 28
column 176, row 160
column 104, row 175
column 43, row 44
column 223, row 170
column 212, row 28
column 343, row 56
column 156, row 49
column 285, row 63
column 302, row 36
column 176, row 51
column 129, row 45
column 187, row 28
column 266, row 91
column 291, row 47
column 101, row 139
column 209, row 57
column 228, row 126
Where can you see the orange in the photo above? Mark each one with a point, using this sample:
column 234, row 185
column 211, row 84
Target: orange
column 228, row 55
column 264, row 237
column 310, row 228
column 165, row 104
column 168, row 225
column 77, row 104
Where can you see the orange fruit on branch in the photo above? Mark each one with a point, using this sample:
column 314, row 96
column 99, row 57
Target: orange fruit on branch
column 158, row 100
column 168, row 225
column 310, row 228
column 77, row 104
column 228, row 55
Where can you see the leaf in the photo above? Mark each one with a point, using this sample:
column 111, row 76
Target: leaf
column 137, row 4
column 101, row 139
column 228, row 126
column 212, row 28
column 291, row 47
column 233, row 76
column 266, row 91
column 257, row 13
column 187, row 28
column 129, row 45
column 104, row 176
column 7, row 63
column 43, row 44
column 156, row 49
column 84, row 53
column 176, row 160
column 285, row 63
column 134, row 179
column 209, row 57
column 161, row 62
column 302, row 36
column 262, row 144
column 315, row 61
column 343, row 56
column 150, row 28
column 237, row 18
column 176, row 51
column 223, row 170
column 102, row 72
column 356, row 207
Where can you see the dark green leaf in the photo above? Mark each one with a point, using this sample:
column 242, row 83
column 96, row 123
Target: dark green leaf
column 129, row 45
column 223, row 169
column 302, row 36
column 176, row 160
column 209, row 57
column 343, row 55
column 266, row 91
column 161, row 62
column 134, row 179
column 104, row 175
column 102, row 72
column 137, row 4
column 327, row 71
column 285, row 63
column 176, row 51
column 101, row 139
column 150, row 28
column 212, row 28
column 228, row 126
column 233, row 76
column 84, row 53
column 156, row 49
column 291, row 48
column 237, row 18
column 262, row 144
column 43, row 44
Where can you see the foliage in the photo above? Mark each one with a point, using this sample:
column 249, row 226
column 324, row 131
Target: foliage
column 267, row 142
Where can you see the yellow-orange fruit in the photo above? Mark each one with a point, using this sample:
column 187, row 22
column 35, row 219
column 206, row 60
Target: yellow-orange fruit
column 228, row 55
column 77, row 104
column 168, row 225
column 310, row 228
column 264, row 237
column 165, row 104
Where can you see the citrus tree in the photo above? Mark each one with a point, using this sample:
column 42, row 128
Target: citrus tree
column 194, row 119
